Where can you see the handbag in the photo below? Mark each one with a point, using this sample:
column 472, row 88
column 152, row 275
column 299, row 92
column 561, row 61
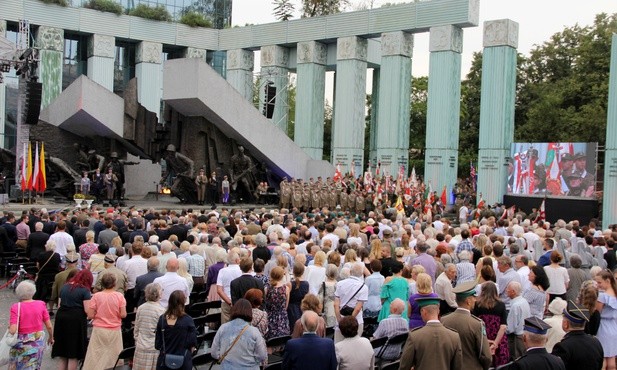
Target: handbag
column 171, row 361
column 346, row 310
column 8, row 341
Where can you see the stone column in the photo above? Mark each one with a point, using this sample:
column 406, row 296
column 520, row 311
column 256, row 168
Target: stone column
column 51, row 43
column 392, row 134
column 443, row 107
column 149, row 75
column 2, row 96
column 372, row 156
column 240, row 64
column 310, row 95
column 101, row 55
column 609, row 204
column 195, row 53
column 275, row 71
column 349, row 102
column 497, row 107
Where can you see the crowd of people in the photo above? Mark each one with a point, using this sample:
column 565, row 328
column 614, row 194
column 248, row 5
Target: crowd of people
column 487, row 292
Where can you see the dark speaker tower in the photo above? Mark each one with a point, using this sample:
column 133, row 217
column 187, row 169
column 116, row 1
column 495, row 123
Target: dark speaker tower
column 32, row 105
column 270, row 100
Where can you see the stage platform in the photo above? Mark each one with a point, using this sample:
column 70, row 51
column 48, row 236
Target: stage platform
column 556, row 208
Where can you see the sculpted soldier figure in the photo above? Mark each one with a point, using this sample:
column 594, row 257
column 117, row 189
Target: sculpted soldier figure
column 178, row 174
column 241, row 167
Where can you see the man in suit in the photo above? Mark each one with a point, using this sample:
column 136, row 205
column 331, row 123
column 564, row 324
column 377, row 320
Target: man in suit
column 536, row 357
column 474, row 343
column 310, row 351
column 106, row 236
column 577, row 349
column 432, row 347
column 240, row 285
column 143, row 280
column 36, row 242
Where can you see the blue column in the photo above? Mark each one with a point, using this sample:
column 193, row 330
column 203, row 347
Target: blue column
column 443, row 106
column 101, row 54
column 349, row 102
column 149, row 75
column 310, row 95
column 497, row 107
column 275, row 71
column 392, row 134
column 609, row 204
column 240, row 64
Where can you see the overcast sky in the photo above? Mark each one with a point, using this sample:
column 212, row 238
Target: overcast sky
column 538, row 20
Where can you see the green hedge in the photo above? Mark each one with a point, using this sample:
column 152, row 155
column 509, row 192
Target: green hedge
column 109, row 6
column 57, row 2
column 194, row 19
column 158, row 13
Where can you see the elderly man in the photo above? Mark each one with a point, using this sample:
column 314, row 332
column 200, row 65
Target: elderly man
column 223, row 284
column 36, row 242
column 465, row 270
column 432, row 346
column 391, row 326
column 196, row 267
column 578, row 350
column 310, row 351
column 425, row 260
column 536, row 357
column 519, row 311
column 110, row 268
column 134, row 267
column 165, row 255
column 171, row 282
column 72, row 260
column 476, row 349
column 142, row 281
column 504, row 265
column 443, row 288
column 349, row 297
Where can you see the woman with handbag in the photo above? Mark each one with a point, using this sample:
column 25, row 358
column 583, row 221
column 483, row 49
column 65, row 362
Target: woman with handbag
column 237, row 344
column 48, row 265
column 107, row 308
column 176, row 335
column 26, row 321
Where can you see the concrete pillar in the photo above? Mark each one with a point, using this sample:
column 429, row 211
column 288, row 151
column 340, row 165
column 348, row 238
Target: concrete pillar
column 149, row 75
column 51, row 43
column 240, row 64
column 372, row 156
column 349, row 102
column 310, row 95
column 275, row 72
column 101, row 55
column 609, row 204
column 195, row 53
column 392, row 134
column 2, row 96
column 443, row 106
column 497, row 107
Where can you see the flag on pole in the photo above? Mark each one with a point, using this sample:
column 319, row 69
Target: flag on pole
column 353, row 170
column 472, row 174
column 444, row 196
column 399, row 205
column 337, row 173
column 428, row 191
column 378, row 170
column 35, row 172
column 479, row 207
column 42, row 181
column 541, row 212
column 414, row 180
column 508, row 213
column 24, row 169
column 29, row 168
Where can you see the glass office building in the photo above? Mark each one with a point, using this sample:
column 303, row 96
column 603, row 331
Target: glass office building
column 218, row 11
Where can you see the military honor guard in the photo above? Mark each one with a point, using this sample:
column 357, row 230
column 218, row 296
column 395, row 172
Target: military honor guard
column 433, row 346
column 536, row 357
column 577, row 349
column 474, row 343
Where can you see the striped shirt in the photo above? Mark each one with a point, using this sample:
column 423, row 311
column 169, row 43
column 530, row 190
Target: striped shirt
column 465, row 271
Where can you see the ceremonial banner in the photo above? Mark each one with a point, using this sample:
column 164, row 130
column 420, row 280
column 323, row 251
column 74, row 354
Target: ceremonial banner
column 559, row 169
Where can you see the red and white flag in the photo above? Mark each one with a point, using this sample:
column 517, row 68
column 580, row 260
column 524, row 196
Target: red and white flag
column 479, row 207
column 337, row 173
column 541, row 212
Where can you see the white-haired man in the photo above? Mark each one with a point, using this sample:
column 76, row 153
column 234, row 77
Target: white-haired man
column 349, row 297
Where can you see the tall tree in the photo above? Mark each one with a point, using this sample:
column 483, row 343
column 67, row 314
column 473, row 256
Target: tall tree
column 283, row 9
column 314, row 8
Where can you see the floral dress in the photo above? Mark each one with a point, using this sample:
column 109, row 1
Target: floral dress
column 278, row 322
column 327, row 299
column 493, row 318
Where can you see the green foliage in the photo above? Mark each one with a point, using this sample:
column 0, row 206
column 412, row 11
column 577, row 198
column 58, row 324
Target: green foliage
column 283, row 9
column 56, row 2
column 194, row 19
column 314, row 8
column 157, row 13
column 109, row 6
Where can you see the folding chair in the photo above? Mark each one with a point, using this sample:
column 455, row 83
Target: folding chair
column 278, row 346
column 202, row 359
column 126, row 354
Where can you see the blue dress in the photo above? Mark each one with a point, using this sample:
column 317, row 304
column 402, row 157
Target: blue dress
column 608, row 325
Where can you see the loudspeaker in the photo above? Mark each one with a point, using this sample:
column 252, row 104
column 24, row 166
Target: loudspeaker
column 268, row 110
column 32, row 105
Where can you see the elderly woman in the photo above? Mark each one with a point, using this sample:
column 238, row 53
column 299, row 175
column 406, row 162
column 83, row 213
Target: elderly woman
column 213, row 273
column 353, row 352
column 148, row 315
column 577, row 277
column 249, row 351
column 87, row 249
column 107, row 308
column 326, row 294
column 310, row 303
column 49, row 265
column 71, row 342
column 27, row 318
column 260, row 317
column 175, row 332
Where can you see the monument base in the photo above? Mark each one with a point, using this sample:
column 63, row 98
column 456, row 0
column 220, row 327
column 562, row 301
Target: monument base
column 557, row 207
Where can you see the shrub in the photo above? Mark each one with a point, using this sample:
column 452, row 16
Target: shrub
column 57, row 2
column 194, row 19
column 157, row 13
column 109, row 6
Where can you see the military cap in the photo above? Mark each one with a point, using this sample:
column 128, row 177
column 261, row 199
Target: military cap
column 427, row 301
column 536, row 326
column 465, row 289
column 576, row 313
column 71, row 257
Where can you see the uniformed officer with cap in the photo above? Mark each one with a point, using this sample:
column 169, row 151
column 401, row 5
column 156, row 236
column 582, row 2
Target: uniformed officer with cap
column 536, row 357
column 474, row 343
column 433, row 346
column 577, row 349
